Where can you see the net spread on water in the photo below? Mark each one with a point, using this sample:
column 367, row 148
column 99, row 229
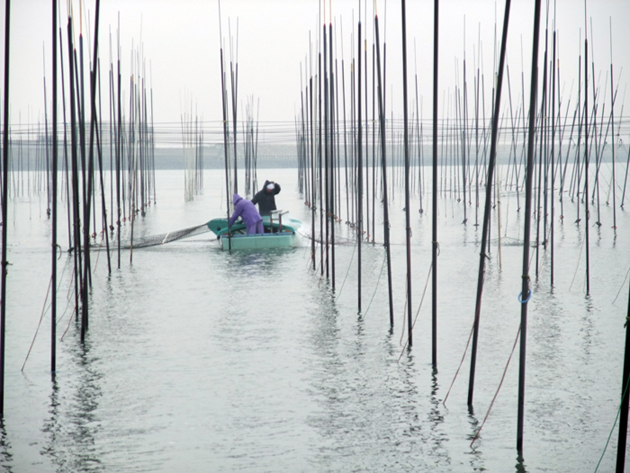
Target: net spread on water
column 155, row 240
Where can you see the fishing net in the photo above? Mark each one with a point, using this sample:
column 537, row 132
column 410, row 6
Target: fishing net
column 154, row 240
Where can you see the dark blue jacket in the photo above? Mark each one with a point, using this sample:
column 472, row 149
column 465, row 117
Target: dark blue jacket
column 265, row 198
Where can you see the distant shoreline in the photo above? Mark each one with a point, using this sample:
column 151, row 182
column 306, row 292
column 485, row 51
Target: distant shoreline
column 30, row 155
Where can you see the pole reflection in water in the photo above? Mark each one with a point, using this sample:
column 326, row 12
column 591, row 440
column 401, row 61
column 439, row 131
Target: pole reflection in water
column 72, row 431
column 84, row 415
column 436, row 419
column 6, row 457
column 476, row 460
column 53, row 428
column 370, row 406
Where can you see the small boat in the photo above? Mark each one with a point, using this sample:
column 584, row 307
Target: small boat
column 279, row 233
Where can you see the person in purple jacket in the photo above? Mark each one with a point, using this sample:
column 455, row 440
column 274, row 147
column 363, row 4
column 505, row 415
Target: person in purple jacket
column 247, row 211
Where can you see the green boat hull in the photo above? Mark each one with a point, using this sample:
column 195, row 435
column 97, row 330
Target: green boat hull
column 275, row 236
column 258, row 242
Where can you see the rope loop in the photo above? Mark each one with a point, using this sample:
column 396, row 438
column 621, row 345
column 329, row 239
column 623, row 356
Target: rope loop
column 529, row 296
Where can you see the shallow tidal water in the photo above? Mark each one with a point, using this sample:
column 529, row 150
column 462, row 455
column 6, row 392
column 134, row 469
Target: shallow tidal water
column 199, row 360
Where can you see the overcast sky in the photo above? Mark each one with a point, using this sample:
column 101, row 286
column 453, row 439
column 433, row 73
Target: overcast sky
column 275, row 45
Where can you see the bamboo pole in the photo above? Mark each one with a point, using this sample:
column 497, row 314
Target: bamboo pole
column 623, row 417
column 434, row 231
column 359, row 169
column 75, row 172
column 612, row 118
column 234, row 82
column 312, row 165
column 327, row 136
column 332, row 213
column 225, row 132
column 541, row 153
column 103, row 192
column 487, row 209
column 90, row 177
column 5, row 202
column 55, row 153
column 384, row 175
column 119, row 150
column 525, row 290
column 586, row 159
column 406, row 155
column 553, row 149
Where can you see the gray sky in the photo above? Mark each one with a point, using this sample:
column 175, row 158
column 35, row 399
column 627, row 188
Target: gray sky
column 275, row 41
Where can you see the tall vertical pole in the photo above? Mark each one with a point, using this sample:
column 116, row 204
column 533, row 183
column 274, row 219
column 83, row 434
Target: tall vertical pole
column 359, row 168
column 326, row 176
column 76, row 219
column 320, row 127
column 55, row 152
column 234, row 81
column 406, row 152
column 612, row 119
column 90, row 177
column 553, row 149
column 623, row 416
column 434, row 249
column 488, row 202
column 5, row 195
column 332, row 155
column 225, row 148
column 313, row 176
column 381, row 117
column 225, row 132
column 119, row 148
column 312, row 152
column 525, row 291
column 586, row 156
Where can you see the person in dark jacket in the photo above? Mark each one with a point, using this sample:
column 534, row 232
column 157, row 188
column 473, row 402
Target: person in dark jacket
column 265, row 198
column 247, row 211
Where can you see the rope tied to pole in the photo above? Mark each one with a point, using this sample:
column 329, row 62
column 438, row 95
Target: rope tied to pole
column 520, row 297
column 518, row 333
column 417, row 313
column 625, row 392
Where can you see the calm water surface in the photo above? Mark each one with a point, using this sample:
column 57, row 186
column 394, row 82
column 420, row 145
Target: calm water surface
column 199, row 360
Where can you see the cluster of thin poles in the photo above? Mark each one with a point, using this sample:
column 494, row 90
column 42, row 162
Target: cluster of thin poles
column 71, row 163
column 250, row 145
column 230, row 136
column 334, row 155
column 192, row 143
column 231, row 180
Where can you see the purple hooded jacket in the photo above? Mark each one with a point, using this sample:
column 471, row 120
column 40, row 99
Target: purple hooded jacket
column 247, row 211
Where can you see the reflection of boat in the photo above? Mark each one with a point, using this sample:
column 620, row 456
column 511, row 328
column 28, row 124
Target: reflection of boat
column 279, row 233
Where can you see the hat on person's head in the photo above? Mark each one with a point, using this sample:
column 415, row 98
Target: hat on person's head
column 271, row 187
